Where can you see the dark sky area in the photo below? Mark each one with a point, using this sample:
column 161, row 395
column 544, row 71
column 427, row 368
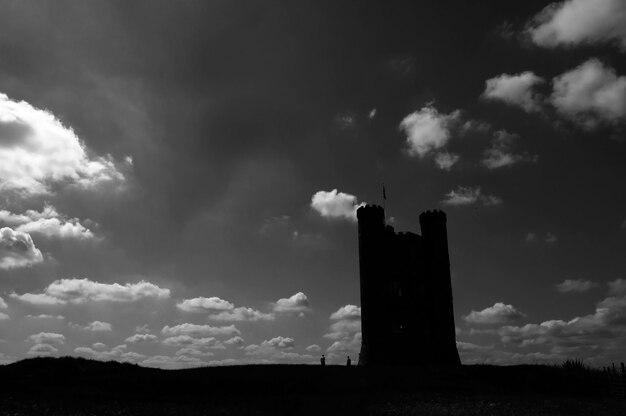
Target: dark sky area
column 179, row 179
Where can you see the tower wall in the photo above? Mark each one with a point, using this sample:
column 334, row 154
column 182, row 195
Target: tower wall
column 442, row 329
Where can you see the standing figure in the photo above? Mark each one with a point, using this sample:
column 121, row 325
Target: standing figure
column 323, row 360
column 349, row 362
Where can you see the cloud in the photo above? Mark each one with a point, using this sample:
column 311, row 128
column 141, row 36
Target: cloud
column 296, row 303
column 237, row 341
column 48, row 223
column 499, row 154
column 3, row 304
column 499, row 313
column 200, row 330
column 345, row 331
column 117, row 353
column 590, row 94
column 4, row 316
column 313, row 348
column 45, row 316
column 201, row 304
column 141, row 338
column 617, row 287
column 188, row 341
column 335, row 204
column 575, row 22
column 277, row 349
column 95, row 326
column 467, row 196
column 578, row 286
column 80, row 291
column 17, row 249
column 516, row 90
column 550, row 238
column 42, row 349
column 37, row 151
column 427, row 130
column 445, row 160
column 222, row 310
column 47, row 338
column 180, row 361
column 98, row 345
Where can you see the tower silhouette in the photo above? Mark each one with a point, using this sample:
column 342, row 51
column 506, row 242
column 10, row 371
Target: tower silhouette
column 407, row 315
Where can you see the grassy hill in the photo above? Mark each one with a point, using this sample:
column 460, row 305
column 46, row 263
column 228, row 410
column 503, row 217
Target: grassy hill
column 74, row 386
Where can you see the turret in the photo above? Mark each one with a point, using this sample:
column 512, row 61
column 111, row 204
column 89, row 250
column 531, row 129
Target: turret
column 442, row 329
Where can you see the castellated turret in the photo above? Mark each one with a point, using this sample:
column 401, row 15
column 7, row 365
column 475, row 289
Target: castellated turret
column 407, row 316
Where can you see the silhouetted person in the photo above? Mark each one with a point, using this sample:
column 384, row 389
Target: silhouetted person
column 323, row 360
column 349, row 362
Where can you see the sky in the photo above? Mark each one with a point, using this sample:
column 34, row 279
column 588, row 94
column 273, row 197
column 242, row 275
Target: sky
column 179, row 179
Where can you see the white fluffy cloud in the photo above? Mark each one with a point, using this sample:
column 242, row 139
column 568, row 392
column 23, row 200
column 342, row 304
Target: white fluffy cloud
column 47, row 338
column 187, row 341
column 3, row 304
column 42, row 349
column 427, row 130
column 83, row 290
column 37, row 150
column 17, row 249
column 200, row 330
column 499, row 154
column 117, row 353
column 517, row 90
column 590, row 94
column 445, row 160
column 499, row 313
column 141, row 338
column 333, row 204
column 48, row 223
column 580, row 285
column 277, row 349
column 467, row 196
column 222, row 310
column 95, row 326
column 580, row 21
column 345, row 331
column 296, row 303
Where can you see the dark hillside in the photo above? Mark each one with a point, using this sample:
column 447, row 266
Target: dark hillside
column 71, row 386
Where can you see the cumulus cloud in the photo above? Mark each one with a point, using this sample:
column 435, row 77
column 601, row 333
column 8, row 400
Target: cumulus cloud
column 48, row 223
column 17, row 249
column 277, row 349
column 445, row 160
column 180, row 361
column 296, row 303
column 4, row 316
column 187, row 341
column 499, row 313
column 200, row 330
column 313, row 348
column 84, row 290
column 333, row 204
column 3, row 304
column 42, row 349
column 617, row 287
column 427, row 130
column 99, row 345
column 117, row 353
column 516, row 90
column 236, row 341
column 575, row 22
column 469, row 195
column 580, row 285
column 345, row 331
column 95, row 326
column 590, row 94
column 141, row 338
column 37, row 150
column 222, row 310
column 499, row 154
column 47, row 338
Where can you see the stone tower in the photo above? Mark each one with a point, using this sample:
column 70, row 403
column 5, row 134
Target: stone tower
column 407, row 316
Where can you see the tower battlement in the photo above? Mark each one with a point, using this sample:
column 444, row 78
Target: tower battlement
column 406, row 295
